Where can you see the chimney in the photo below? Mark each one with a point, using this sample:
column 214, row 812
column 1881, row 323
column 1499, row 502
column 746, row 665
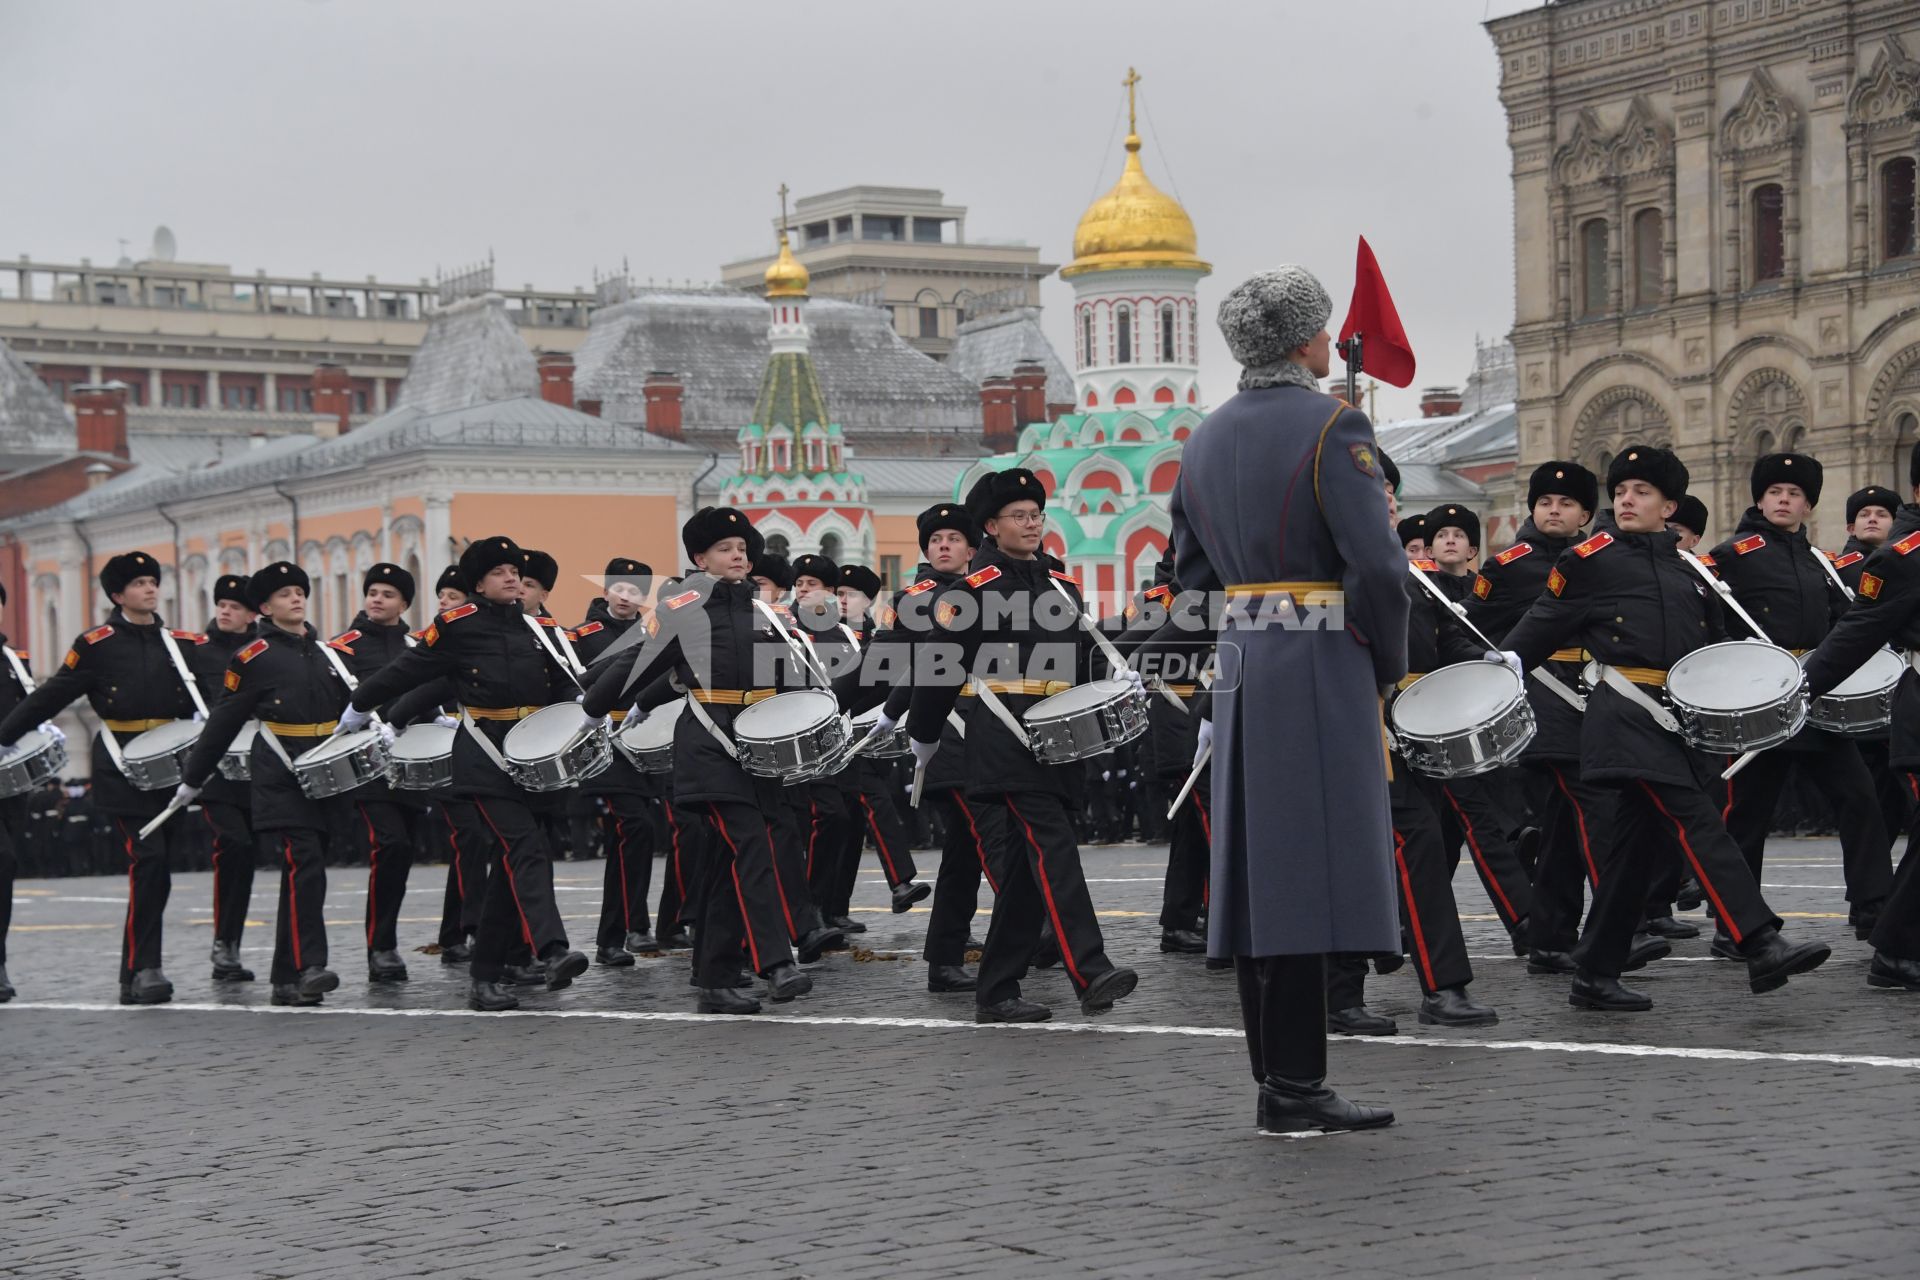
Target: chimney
column 1029, row 392
column 332, row 400
column 556, row 378
column 100, row 420
column 98, row 474
column 589, row 407
column 664, row 393
column 996, row 414
column 1439, row 402
column 1057, row 410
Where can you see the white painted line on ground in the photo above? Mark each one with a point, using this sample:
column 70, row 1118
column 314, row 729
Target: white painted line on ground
column 1695, row 1053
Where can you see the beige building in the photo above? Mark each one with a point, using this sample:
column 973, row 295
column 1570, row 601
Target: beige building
column 904, row 249
column 1715, row 236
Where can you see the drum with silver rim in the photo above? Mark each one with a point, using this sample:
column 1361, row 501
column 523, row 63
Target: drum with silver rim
column 1087, row 720
column 1737, row 696
column 557, row 747
column 423, row 757
column 1463, row 720
column 648, row 744
column 793, row 736
column 889, row 746
column 156, row 760
column 1862, row 704
column 236, row 763
column 38, row 757
column 341, row 764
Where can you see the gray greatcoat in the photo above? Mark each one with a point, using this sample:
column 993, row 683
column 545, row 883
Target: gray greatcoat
column 1302, row 842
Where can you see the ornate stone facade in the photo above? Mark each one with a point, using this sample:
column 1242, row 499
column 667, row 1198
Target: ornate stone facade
column 1715, row 241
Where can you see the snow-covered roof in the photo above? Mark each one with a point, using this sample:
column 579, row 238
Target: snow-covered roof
column 990, row 347
column 33, row 422
column 471, row 354
column 1453, row 440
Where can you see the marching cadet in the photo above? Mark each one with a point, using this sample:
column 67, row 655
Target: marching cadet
column 467, row 840
column 725, row 651
column 226, row 805
column 825, row 807
column 449, row 590
column 283, row 680
column 1413, row 537
column 126, row 670
column 384, row 818
column 872, row 803
column 1625, row 595
column 15, row 685
column 1783, row 581
column 501, row 673
column 1689, row 521
column 1886, row 611
column 1007, row 625
column 1869, row 515
column 1453, row 543
column 624, row 924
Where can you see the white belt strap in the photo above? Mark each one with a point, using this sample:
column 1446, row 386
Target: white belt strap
column 486, row 743
column 1725, row 593
column 1634, row 693
column 276, row 746
column 112, row 744
column 1832, row 572
column 540, row 634
column 1118, row 663
column 991, row 701
column 699, row 711
column 20, row 671
column 186, row 677
column 802, row 653
column 959, row 725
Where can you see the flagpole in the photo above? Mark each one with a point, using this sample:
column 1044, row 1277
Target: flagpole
column 1351, row 352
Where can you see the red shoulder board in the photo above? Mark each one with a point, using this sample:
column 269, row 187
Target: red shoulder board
column 1514, row 552
column 683, row 599
column 344, row 639
column 925, row 584
column 1852, row 557
column 985, row 576
column 546, row 620
column 1750, row 543
column 98, row 634
column 1704, row 559
column 1161, row 592
column 194, row 636
column 341, row 645
column 1906, row 545
column 1064, row 577
column 20, row 654
column 421, row 634
column 1482, row 588
column 251, row 652
column 459, row 611
column 1426, row 566
column 588, row 628
column 1598, row 542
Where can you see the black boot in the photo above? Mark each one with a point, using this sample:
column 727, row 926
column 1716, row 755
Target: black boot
column 1182, row 942
column 674, row 939
column 950, row 977
column 1012, row 1009
column 1885, row 971
column 6, row 988
column 1308, row 1106
column 1540, row 960
column 1863, row 918
column 148, row 986
column 1047, row 953
column 1449, row 1007
column 288, row 994
column 1645, row 951
column 1360, row 1021
column 641, row 941
column 726, row 1000
column 386, row 966
column 523, row 975
column 814, row 941
column 613, row 957
column 226, row 964
column 458, row 953
column 317, row 981
column 1771, row 959
column 785, row 982
column 1724, row 947
column 1668, row 927
column 846, row 924
column 1114, row 984
column 1690, row 895
column 562, row 967
column 905, row 895
column 490, row 997
column 1593, row 991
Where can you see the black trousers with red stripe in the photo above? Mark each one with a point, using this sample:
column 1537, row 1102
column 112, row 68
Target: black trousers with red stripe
column 1482, row 816
column 384, row 832
column 1898, row 930
column 1840, row 773
column 149, row 885
column 1648, row 817
column 235, row 854
column 739, row 899
column 789, row 834
column 628, row 827
column 469, row 851
column 1038, row 871
column 1575, row 839
column 300, row 928
column 970, row 831
column 821, row 808
column 517, row 913
column 687, row 839
column 1189, row 856
column 1429, row 917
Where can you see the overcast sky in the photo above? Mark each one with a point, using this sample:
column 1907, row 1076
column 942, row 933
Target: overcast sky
column 368, row 137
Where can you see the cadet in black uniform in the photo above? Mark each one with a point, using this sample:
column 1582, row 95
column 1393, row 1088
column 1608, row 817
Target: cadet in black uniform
column 1869, row 516
column 1006, row 624
column 873, row 806
column 226, row 805
column 1452, row 534
column 15, row 685
column 124, row 670
column 1778, row 577
column 1886, row 610
column 284, row 680
column 1413, row 536
column 1625, row 595
column 500, row 674
column 728, row 655
column 454, row 820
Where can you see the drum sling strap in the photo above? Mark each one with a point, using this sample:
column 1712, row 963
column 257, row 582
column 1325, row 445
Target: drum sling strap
column 540, row 634
column 706, row 721
column 1112, row 655
column 1633, row 693
column 20, row 671
column 111, row 743
column 486, row 743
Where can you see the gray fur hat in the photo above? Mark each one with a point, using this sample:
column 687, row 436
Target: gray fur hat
column 1273, row 313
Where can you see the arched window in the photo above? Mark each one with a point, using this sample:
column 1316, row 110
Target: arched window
column 1769, row 233
column 1167, row 334
column 1086, row 339
column 1123, row 336
column 1897, row 207
column 1763, row 444
column 1649, row 257
column 1593, row 267
column 830, row 546
column 1791, row 438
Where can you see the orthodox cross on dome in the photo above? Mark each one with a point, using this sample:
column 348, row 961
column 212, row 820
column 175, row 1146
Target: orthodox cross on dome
column 783, row 209
column 1133, row 78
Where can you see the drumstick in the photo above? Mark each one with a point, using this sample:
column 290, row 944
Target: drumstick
column 173, row 807
column 1547, row 679
column 919, row 778
column 1192, row 778
column 1738, row 765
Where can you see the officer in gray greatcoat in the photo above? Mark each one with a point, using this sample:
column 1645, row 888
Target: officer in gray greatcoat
column 1314, row 628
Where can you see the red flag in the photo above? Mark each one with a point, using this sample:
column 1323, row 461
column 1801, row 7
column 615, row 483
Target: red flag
column 1384, row 350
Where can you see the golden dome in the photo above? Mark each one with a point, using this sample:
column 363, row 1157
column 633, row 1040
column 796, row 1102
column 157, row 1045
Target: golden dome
column 1134, row 225
column 786, row 278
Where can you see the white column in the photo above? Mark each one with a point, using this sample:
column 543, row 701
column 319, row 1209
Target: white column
column 213, row 388
column 439, row 532
column 270, row 395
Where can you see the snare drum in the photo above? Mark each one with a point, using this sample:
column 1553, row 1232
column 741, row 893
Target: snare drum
column 557, row 747
column 36, row 758
column 1737, row 696
column 1087, row 720
column 423, row 757
column 341, row 764
column 157, row 759
column 1463, row 720
column 648, row 744
column 794, row 736
column 1862, row 704
column 236, row 764
column 890, row 746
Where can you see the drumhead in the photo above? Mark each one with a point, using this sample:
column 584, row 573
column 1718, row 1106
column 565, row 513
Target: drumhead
column 1881, row 671
column 1736, row 675
column 425, row 742
column 1082, row 697
column 546, row 732
column 656, row 730
column 1456, row 698
column 868, row 718
column 344, row 745
column 786, row 714
column 163, row 741
column 31, row 743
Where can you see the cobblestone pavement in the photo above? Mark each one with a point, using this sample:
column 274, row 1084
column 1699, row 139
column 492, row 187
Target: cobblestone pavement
column 872, row 1130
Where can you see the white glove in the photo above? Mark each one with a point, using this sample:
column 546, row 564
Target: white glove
column 353, row 720
column 1204, row 741
column 581, row 697
column 1507, row 658
column 447, row 722
column 183, row 795
column 386, row 731
column 1134, row 678
column 885, row 725
column 922, row 752
column 1106, row 775
column 199, row 717
column 53, row 731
